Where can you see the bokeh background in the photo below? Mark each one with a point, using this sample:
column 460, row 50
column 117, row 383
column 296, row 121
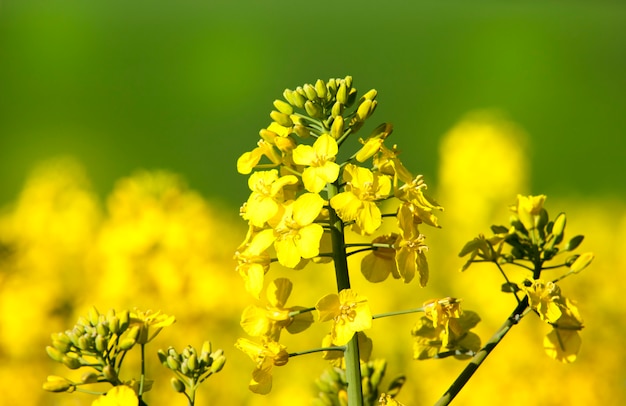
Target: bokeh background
column 120, row 125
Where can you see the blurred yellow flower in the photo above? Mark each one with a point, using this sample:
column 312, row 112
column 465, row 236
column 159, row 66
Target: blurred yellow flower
column 265, row 355
column 358, row 202
column 267, row 194
column 320, row 161
column 150, row 324
column 528, row 209
column 381, row 262
column 118, row 396
column 252, row 264
column 349, row 311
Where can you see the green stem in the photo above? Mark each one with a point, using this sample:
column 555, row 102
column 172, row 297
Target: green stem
column 520, row 311
column 314, row 350
column 143, row 372
column 351, row 354
column 398, row 312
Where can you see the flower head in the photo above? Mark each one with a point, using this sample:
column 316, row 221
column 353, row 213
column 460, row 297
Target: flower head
column 267, row 194
column 121, row 395
column 349, row 312
column 528, row 209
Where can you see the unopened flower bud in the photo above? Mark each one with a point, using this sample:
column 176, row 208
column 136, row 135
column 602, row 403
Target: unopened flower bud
column 109, row 373
column 55, row 354
column 101, row 343
column 89, row 377
column 173, row 363
column 301, row 131
column 337, row 109
column 192, row 362
column 124, row 317
column 342, row 94
column 364, row 109
column 93, row 315
column 71, row 362
column 283, row 107
column 57, row 384
column 310, row 92
column 178, row 385
column 581, row 262
column 281, row 118
column 336, row 129
column 312, row 109
column 218, row 364
column 320, row 89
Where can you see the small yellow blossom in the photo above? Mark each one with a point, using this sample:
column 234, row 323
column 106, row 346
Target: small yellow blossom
column 544, row 298
column 358, row 202
column 387, row 162
column 421, row 204
column 267, row 194
column 410, row 250
column 294, row 235
column 320, row 161
column 150, row 324
column 118, row 396
column 387, row 400
column 381, row 262
column 374, row 142
column 252, row 265
column 249, row 160
column 349, row 311
column 268, row 322
column 265, row 356
column 528, row 209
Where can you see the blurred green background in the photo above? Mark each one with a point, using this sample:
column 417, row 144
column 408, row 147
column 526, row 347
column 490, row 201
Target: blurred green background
column 186, row 85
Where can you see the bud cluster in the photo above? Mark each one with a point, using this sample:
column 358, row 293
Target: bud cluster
column 332, row 385
column 97, row 341
column 192, row 367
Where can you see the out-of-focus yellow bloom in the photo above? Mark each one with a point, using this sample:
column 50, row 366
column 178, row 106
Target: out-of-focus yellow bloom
column 150, row 324
column 294, row 235
column 410, row 248
column 267, row 194
column 265, row 356
column 118, row 396
column 268, row 322
column 381, row 262
column 358, row 202
column 528, row 209
column 443, row 313
column 349, row 311
column 320, row 161
column 337, row 359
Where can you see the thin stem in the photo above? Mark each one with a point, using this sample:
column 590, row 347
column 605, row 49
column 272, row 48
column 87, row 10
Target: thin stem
column 351, row 354
column 520, row 311
column 314, row 350
column 143, row 371
column 397, row 312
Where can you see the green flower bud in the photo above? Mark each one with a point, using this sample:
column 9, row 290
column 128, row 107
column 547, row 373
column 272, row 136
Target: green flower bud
column 288, row 94
column 332, row 86
column 380, row 366
column 283, row 107
column 581, row 262
column 281, row 118
column 184, row 368
column 192, row 362
column 574, row 243
column 124, row 317
column 162, row 357
column 310, row 92
column 336, row 129
column 127, row 343
column 114, row 324
column 320, row 89
column 102, row 328
column 63, row 346
column 55, row 354
column 84, row 342
column 89, row 377
column 363, row 110
column 301, row 131
column 101, row 343
column 370, row 95
column 173, row 363
column 71, row 362
column 558, row 227
column 342, row 94
column 218, row 364
column 178, row 385
column 348, row 81
column 93, row 316
column 57, row 384
column 337, row 109
column 313, row 109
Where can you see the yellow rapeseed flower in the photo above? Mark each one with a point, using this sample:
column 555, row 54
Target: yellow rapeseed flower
column 294, row 235
column 358, row 202
column 381, row 262
column 265, row 356
column 267, row 194
column 320, row 161
column 528, row 209
column 118, row 396
column 410, row 250
column 349, row 311
column 150, row 324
